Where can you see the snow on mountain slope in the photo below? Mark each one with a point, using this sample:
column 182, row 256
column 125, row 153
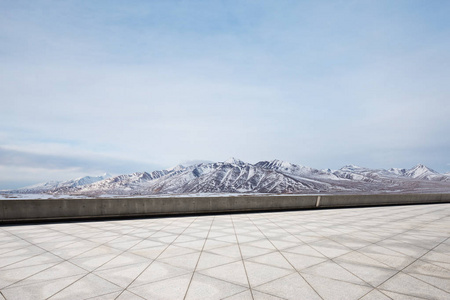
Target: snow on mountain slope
column 234, row 161
column 53, row 185
column 230, row 176
column 234, row 178
column 40, row 187
column 286, row 167
column 300, row 173
column 352, row 172
column 85, row 180
column 419, row 172
column 121, row 182
column 397, row 171
column 176, row 168
column 422, row 172
column 125, row 184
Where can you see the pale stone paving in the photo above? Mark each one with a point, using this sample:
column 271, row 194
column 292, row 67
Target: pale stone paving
column 396, row 252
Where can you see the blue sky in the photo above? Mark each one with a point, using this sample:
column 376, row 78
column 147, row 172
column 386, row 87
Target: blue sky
column 88, row 87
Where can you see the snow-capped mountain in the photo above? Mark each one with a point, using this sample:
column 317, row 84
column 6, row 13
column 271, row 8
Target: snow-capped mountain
column 230, row 176
column 237, row 176
column 423, row 172
column 417, row 172
column 176, row 168
column 234, row 176
column 286, row 167
column 57, row 185
column 234, row 161
column 397, row 171
column 357, row 173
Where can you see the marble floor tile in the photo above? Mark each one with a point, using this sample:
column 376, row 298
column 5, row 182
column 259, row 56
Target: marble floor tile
column 172, row 288
column 205, row 287
column 336, row 290
column 397, row 252
column 292, row 286
column 86, row 287
column 408, row 285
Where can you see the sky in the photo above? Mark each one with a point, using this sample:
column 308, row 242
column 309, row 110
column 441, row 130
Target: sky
column 88, row 87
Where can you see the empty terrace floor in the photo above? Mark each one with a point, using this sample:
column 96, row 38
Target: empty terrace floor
column 395, row 252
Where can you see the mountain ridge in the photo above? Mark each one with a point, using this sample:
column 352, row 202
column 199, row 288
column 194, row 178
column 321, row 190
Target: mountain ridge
column 236, row 176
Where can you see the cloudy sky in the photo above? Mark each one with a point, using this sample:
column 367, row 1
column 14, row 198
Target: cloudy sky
column 88, row 87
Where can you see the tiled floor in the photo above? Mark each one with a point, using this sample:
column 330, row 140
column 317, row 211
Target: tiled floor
column 399, row 252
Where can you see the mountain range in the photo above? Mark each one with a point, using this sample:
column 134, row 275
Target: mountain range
column 236, row 176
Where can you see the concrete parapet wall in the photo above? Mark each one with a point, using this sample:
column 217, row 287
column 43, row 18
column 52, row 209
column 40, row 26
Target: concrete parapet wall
column 390, row 199
column 59, row 209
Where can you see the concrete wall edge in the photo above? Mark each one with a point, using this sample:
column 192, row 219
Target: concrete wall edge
column 15, row 211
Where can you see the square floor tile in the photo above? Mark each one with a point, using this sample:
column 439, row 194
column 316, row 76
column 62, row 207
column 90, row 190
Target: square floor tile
column 205, row 287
